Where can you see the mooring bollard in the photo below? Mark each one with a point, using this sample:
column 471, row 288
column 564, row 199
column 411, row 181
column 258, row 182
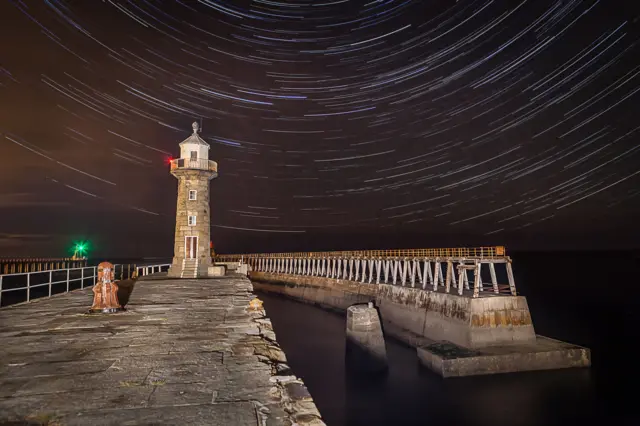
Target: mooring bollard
column 105, row 292
column 365, row 347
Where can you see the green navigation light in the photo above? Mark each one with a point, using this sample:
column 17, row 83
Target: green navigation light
column 80, row 248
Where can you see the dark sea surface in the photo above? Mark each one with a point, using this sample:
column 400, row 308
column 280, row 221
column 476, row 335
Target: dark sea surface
column 590, row 299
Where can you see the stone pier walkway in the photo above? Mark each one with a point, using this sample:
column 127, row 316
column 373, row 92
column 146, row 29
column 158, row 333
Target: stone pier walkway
column 186, row 352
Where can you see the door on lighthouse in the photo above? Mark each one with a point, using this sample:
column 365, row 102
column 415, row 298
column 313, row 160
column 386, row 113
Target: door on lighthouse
column 191, row 247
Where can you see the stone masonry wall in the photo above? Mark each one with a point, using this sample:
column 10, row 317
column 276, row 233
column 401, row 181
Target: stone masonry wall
column 193, row 180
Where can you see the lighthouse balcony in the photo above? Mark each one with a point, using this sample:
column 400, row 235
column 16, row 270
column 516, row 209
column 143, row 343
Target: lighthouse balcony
column 196, row 164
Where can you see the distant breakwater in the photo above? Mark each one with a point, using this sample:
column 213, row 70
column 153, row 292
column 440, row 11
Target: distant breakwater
column 26, row 264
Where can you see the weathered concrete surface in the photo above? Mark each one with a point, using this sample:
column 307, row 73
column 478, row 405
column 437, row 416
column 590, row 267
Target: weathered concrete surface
column 328, row 293
column 450, row 360
column 185, row 352
column 217, row 271
column 463, row 320
column 366, row 351
column 471, row 322
column 497, row 329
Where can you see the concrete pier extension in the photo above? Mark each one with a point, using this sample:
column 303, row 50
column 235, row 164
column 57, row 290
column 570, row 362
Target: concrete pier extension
column 455, row 335
column 365, row 348
column 185, row 352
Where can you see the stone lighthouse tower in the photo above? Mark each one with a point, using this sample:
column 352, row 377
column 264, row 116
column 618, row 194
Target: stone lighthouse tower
column 194, row 170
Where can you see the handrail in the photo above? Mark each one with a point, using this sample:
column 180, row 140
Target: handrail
column 150, row 269
column 474, row 252
column 142, row 271
column 198, row 164
column 412, row 266
column 68, row 280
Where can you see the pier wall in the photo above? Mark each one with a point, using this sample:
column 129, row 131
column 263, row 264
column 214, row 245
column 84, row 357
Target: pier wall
column 413, row 312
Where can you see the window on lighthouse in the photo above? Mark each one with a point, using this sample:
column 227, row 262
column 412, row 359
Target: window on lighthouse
column 192, row 221
column 194, row 155
column 193, row 194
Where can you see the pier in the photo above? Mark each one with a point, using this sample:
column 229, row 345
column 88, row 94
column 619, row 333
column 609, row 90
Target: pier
column 458, row 307
column 185, row 351
column 33, row 264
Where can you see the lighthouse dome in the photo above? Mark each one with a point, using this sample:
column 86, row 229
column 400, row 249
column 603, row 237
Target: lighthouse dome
column 194, row 147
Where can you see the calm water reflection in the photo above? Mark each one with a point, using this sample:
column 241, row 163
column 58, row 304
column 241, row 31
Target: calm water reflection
column 410, row 395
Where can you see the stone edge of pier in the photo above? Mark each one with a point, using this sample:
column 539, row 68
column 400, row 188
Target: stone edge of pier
column 295, row 398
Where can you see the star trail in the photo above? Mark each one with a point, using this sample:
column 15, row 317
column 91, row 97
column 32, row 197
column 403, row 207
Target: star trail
column 335, row 124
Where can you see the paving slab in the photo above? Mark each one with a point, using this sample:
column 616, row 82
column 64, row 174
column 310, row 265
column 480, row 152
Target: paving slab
column 186, row 351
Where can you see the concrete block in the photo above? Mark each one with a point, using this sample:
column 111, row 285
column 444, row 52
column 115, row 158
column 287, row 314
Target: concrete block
column 231, row 266
column 216, row 271
column 365, row 346
column 450, row 360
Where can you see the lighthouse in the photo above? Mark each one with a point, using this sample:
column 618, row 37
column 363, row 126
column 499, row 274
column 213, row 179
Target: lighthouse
column 194, row 170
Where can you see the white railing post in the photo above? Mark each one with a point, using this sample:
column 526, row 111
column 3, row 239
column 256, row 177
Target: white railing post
column 494, row 281
column 28, row 287
column 512, row 282
column 0, row 291
column 67, row 280
column 95, row 275
column 476, row 280
column 447, row 281
column 50, row 279
column 81, row 278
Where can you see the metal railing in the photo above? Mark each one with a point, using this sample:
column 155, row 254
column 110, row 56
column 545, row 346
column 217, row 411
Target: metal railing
column 398, row 267
column 198, row 164
column 152, row 269
column 466, row 252
column 33, row 278
column 33, row 281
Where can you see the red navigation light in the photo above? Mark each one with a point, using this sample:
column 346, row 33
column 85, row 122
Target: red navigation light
column 168, row 159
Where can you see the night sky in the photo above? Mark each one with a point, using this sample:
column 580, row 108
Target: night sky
column 336, row 124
